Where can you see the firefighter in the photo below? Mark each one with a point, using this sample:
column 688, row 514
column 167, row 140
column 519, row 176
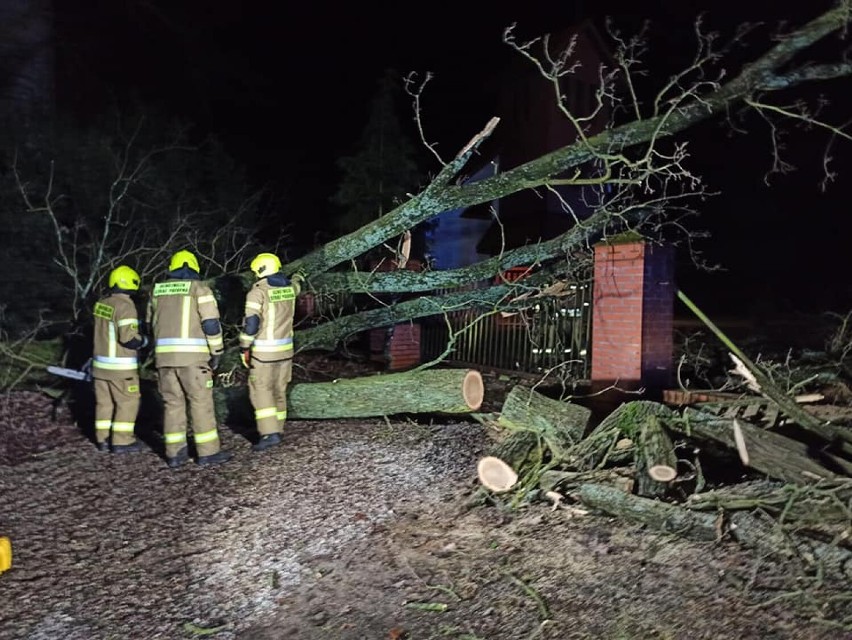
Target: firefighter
column 266, row 345
column 187, row 346
column 115, row 363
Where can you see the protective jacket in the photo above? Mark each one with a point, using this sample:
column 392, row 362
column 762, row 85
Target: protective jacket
column 116, row 338
column 185, row 321
column 268, row 324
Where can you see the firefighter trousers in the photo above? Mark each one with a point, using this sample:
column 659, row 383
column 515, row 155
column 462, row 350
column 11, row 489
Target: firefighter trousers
column 116, row 406
column 194, row 385
column 268, row 394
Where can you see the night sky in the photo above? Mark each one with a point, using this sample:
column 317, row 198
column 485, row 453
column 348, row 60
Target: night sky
column 287, row 87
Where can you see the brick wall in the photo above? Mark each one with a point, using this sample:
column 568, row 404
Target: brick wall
column 633, row 300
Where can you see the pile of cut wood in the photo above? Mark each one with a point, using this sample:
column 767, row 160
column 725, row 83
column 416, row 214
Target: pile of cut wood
column 737, row 468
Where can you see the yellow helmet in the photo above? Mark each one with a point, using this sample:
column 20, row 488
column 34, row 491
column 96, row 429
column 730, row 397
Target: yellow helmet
column 184, row 257
column 265, row 264
column 124, row 277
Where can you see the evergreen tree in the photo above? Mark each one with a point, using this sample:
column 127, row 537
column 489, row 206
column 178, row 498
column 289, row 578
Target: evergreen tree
column 384, row 168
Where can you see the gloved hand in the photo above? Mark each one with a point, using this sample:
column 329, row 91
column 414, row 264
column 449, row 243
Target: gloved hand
column 299, row 276
column 245, row 357
column 214, row 362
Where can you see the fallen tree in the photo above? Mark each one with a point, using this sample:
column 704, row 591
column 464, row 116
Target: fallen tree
column 626, row 159
column 441, row 391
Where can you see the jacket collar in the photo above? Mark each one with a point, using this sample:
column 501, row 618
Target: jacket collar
column 277, row 280
column 184, row 273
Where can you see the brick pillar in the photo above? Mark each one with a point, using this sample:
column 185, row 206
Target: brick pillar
column 403, row 348
column 632, row 328
column 397, row 346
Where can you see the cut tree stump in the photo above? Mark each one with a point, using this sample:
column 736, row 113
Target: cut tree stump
column 446, row 391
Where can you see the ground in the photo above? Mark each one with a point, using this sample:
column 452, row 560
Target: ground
column 351, row 529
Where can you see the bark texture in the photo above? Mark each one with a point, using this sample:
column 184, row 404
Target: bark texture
column 443, row 391
column 770, row 453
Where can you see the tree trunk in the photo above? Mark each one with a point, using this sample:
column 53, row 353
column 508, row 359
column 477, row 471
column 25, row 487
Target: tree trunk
column 770, row 453
column 446, row 391
column 748, row 529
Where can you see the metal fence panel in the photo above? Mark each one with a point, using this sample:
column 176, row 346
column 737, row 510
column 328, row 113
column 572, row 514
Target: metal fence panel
column 552, row 335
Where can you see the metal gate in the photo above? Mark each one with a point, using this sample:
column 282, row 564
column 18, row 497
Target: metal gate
column 551, row 336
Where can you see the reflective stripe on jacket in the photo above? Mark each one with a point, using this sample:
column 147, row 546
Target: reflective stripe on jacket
column 175, row 312
column 115, row 322
column 275, row 306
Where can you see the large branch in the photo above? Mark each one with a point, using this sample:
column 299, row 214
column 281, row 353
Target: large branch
column 402, row 280
column 498, row 297
column 764, row 74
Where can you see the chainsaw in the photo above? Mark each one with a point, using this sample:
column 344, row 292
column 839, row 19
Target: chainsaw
column 84, row 374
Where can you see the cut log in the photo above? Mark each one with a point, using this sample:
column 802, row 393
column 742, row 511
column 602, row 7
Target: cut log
column 770, row 453
column 653, row 513
column 537, row 427
column 495, row 475
column 445, row 391
column 604, row 444
column 521, row 450
column 656, row 464
column 560, row 424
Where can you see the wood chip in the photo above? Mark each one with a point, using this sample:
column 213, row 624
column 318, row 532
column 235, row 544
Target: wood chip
column 740, row 442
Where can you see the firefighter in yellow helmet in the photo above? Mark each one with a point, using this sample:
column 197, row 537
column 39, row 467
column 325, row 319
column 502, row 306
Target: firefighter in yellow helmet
column 266, row 345
column 184, row 318
column 115, row 363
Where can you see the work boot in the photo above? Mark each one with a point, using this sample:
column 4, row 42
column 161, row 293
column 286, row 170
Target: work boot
column 217, row 458
column 103, row 447
column 133, row 447
column 267, row 442
column 180, row 459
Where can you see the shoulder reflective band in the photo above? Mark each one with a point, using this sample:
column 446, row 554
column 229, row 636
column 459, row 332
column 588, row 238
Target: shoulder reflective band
column 103, row 311
column 281, row 294
column 206, row 299
column 172, row 288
